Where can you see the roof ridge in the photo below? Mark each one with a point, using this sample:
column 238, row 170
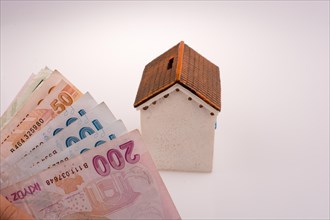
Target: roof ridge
column 180, row 61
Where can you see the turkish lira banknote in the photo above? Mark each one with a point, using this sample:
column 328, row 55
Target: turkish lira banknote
column 63, row 156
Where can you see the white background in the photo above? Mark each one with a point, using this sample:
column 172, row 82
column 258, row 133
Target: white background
column 272, row 144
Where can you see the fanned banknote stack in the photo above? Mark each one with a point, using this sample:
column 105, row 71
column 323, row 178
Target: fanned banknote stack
column 64, row 156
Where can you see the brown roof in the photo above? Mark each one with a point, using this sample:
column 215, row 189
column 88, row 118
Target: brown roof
column 181, row 64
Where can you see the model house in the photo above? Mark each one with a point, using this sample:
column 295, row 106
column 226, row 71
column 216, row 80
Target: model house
column 179, row 100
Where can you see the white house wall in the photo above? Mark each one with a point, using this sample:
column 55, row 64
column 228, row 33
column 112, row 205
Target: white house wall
column 179, row 133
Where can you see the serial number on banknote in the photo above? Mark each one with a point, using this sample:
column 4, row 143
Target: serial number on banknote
column 66, row 174
column 58, row 162
column 34, row 128
column 34, row 148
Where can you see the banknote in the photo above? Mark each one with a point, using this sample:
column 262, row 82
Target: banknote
column 32, row 84
column 116, row 181
column 95, row 120
column 66, row 118
column 35, row 99
column 86, row 125
column 61, row 96
column 69, row 116
column 100, row 137
column 22, row 170
column 16, row 103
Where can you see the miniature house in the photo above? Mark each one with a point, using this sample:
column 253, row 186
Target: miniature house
column 179, row 100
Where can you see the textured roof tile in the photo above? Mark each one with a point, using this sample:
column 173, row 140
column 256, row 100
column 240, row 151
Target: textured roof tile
column 188, row 68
